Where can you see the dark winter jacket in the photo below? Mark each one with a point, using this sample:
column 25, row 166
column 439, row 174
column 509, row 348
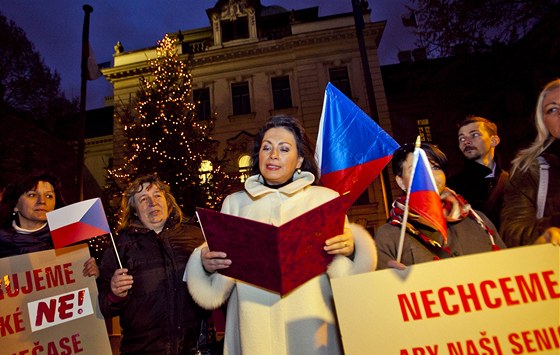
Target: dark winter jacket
column 158, row 315
column 464, row 238
column 473, row 184
column 13, row 242
column 519, row 223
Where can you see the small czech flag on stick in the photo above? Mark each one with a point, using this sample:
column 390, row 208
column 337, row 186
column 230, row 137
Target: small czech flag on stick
column 422, row 196
column 79, row 221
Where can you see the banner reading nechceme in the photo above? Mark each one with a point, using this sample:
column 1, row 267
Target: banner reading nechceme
column 503, row 302
column 48, row 307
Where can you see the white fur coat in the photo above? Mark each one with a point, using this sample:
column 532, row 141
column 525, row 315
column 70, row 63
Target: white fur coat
column 262, row 322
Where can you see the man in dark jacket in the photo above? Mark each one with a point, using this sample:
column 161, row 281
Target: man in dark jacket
column 482, row 180
column 157, row 314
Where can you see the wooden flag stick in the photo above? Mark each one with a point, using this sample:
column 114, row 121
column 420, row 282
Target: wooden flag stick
column 116, row 252
column 405, row 214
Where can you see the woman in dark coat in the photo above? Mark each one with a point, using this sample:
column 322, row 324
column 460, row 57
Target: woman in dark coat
column 157, row 314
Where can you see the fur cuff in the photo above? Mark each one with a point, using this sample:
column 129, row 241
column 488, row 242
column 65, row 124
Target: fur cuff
column 365, row 255
column 208, row 290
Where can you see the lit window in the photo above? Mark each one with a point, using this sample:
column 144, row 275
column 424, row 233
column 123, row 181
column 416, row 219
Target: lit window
column 205, row 171
column 244, row 164
column 424, row 130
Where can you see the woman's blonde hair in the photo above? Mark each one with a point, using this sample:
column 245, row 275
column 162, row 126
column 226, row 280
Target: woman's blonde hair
column 526, row 156
column 128, row 204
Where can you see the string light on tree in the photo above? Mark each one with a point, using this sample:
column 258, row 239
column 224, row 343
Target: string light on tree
column 164, row 136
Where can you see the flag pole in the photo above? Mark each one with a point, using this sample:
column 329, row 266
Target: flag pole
column 83, row 91
column 115, row 248
column 405, row 214
column 370, row 93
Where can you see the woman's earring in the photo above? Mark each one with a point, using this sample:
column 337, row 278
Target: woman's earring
column 298, row 170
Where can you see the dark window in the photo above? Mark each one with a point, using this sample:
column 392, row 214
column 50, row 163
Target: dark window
column 363, row 199
column 240, row 98
column 237, row 29
column 281, row 93
column 339, row 78
column 202, row 102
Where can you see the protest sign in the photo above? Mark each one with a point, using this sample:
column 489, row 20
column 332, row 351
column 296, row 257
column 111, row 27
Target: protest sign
column 503, row 302
column 48, row 307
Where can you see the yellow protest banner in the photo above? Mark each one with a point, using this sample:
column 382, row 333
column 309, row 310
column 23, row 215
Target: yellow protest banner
column 48, row 307
column 503, row 302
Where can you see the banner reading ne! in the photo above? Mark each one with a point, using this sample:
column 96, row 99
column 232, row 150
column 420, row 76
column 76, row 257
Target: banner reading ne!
column 48, row 307
column 503, row 302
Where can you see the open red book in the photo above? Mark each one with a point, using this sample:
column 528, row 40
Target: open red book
column 276, row 258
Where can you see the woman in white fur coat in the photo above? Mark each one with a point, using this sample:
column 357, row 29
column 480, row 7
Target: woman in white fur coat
column 259, row 321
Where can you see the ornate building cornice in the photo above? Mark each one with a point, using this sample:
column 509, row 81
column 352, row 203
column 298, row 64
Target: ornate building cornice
column 286, row 44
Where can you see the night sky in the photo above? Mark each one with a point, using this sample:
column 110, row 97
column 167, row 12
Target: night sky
column 55, row 28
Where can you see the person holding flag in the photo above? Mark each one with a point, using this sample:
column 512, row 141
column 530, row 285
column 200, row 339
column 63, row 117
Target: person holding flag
column 154, row 242
column 430, row 221
column 23, row 217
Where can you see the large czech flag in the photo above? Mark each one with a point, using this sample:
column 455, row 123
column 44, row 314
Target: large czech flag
column 77, row 222
column 424, row 197
column 351, row 148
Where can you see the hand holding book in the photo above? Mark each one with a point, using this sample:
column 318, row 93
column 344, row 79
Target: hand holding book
column 277, row 258
column 214, row 260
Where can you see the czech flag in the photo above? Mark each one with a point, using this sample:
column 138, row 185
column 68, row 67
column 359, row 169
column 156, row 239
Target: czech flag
column 351, row 148
column 77, row 222
column 424, row 198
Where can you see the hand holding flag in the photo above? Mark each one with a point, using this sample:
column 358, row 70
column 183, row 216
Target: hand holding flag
column 351, row 148
column 422, row 197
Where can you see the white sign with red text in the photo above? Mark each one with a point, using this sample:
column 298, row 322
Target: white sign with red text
column 503, row 302
column 52, row 311
column 48, row 307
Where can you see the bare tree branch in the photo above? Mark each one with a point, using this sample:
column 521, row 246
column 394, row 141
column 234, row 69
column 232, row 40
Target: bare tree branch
column 447, row 26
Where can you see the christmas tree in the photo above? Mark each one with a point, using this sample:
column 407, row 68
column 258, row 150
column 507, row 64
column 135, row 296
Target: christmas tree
column 165, row 137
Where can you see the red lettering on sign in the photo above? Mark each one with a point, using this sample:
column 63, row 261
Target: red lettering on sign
column 407, row 306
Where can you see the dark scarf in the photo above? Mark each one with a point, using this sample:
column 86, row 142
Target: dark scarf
column 276, row 187
column 455, row 209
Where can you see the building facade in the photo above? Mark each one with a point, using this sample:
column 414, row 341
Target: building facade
column 255, row 61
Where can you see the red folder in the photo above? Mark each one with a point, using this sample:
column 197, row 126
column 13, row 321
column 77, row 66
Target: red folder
column 276, row 258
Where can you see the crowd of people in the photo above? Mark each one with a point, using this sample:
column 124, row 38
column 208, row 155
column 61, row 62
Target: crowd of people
column 162, row 280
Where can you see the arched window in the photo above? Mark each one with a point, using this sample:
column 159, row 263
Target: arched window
column 244, row 164
column 205, row 171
